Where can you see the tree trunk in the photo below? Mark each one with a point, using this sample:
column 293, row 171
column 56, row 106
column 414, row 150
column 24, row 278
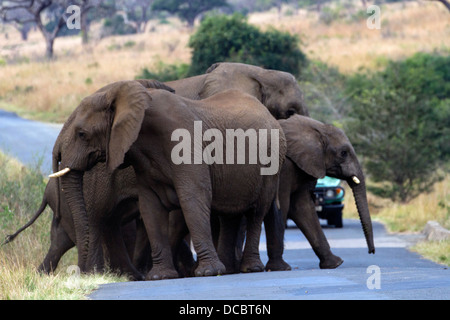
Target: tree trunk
column 446, row 4
column 84, row 29
column 49, row 47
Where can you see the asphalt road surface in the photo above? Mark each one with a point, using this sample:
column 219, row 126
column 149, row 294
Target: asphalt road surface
column 28, row 141
column 393, row 272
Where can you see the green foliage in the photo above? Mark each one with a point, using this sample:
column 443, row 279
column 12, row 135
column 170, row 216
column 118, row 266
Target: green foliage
column 188, row 10
column 116, row 26
column 400, row 122
column 20, row 196
column 231, row 38
column 63, row 31
column 164, row 72
column 324, row 90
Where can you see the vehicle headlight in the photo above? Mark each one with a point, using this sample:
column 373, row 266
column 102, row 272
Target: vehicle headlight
column 339, row 192
column 329, row 193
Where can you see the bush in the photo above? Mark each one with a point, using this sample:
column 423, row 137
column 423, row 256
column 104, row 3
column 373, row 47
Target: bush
column 164, row 72
column 400, row 122
column 231, row 38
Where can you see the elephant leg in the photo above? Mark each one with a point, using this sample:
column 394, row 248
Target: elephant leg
column 95, row 259
column 118, row 256
column 303, row 213
column 274, row 225
column 156, row 220
column 197, row 210
column 142, row 251
column 59, row 245
column 228, row 234
column 128, row 230
column 251, row 261
column 182, row 255
column 115, row 234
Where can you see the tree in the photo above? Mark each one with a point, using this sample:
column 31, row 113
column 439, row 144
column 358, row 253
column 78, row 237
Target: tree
column 231, row 38
column 188, row 10
column 135, row 12
column 444, row 2
column 399, row 123
column 33, row 11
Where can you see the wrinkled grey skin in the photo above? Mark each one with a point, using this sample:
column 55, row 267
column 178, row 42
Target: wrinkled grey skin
column 315, row 150
column 277, row 90
column 125, row 124
column 116, row 228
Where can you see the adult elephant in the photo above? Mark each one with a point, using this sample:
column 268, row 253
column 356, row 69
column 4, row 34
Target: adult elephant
column 277, row 90
column 126, row 124
column 315, row 150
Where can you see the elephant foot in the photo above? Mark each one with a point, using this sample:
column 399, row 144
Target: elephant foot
column 136, row 276
column 277, row 265
column 161, row 273
column 210, row 268
column 331, row 263
column 254, row 265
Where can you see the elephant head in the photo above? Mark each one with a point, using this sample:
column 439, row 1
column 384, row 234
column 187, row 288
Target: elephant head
column 277, row 90
column 322, row 149
column 102, row 128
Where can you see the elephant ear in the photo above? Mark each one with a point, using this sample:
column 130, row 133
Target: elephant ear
column 154, row 84
column 229, row 75
column 305, row 144
column 128, row 102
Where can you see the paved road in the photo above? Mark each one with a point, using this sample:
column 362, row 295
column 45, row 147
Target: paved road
column 28, row 141
column 402, row 274
column 398, row 274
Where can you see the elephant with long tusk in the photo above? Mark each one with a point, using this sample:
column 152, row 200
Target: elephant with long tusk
column 59, row 173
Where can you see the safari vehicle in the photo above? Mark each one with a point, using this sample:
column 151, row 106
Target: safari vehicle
column 329, row 197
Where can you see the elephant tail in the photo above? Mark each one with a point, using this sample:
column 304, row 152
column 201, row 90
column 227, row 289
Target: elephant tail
column 41, row 209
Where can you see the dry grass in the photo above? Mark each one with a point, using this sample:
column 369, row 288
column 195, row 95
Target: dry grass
column 405, row 29
column 21, row 192
column 23, row 282
column 49, row 91
column 412, row 216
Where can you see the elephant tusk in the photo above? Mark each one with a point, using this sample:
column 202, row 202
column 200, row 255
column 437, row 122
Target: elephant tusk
column 59, row 173
column 356, row 180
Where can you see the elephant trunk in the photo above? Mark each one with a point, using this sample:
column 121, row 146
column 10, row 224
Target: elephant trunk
column 359, row 192
column 72, row 186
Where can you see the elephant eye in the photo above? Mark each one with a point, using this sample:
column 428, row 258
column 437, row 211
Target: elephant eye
column 290, row 112
column 344, row 154
column 82, row 135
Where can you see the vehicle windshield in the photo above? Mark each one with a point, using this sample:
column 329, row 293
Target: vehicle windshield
column 328, row 182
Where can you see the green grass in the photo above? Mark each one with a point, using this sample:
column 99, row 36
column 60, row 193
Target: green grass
column 21, row 191
column 437, row 251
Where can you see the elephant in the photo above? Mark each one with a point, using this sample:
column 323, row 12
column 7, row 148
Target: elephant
column 118, row 228
column 126, row 124
column 277, row 90
column 314, row 150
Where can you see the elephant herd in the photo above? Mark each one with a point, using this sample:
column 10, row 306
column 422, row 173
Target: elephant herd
column 129, row 191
